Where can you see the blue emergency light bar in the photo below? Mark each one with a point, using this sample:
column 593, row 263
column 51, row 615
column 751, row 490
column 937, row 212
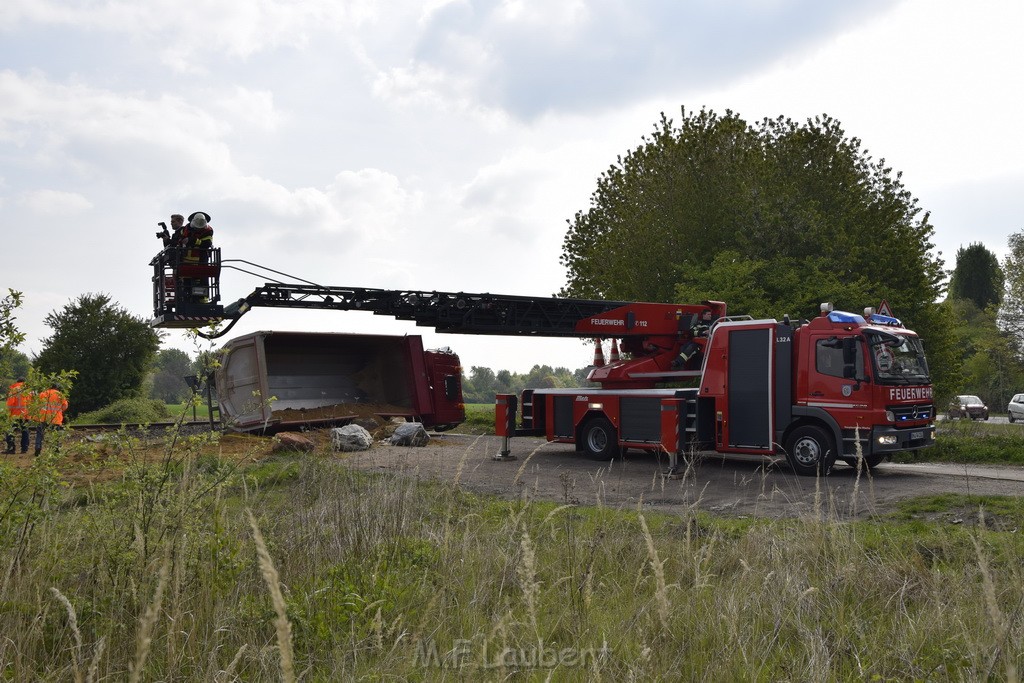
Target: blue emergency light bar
column 844, row 317
column 880, row 319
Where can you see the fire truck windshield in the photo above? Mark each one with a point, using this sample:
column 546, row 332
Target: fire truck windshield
column 897, row 359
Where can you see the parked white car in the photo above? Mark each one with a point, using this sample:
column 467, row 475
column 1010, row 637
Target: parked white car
column 1015, row 410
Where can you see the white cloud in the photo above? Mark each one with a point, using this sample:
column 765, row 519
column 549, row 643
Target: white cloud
column 187, row 34
column 532, row 57
column 97, row 131
column 442, row 145
column 374, row 199
column 55, row 202
column 244, row 107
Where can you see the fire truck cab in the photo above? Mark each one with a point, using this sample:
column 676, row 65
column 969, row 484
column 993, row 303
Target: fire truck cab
column 840, row 386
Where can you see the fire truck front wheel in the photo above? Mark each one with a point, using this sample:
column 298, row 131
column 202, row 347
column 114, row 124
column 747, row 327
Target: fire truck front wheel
column 600, row 442
column 810, row 451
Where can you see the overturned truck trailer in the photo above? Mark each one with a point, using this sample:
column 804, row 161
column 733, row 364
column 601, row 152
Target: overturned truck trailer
column 275, row 381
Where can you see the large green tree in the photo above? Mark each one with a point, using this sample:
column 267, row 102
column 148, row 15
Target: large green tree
column 1011, row 313
column 482, row 383
column 992, row 369
column 110, row 349
column 977, row 276
column 170, row 369
column 10, row 335
column 773, row 218
column 13, row 363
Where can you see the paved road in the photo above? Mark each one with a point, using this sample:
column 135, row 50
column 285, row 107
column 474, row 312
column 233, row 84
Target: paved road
column 994, row 419
column 737, row 485
column 996, row 472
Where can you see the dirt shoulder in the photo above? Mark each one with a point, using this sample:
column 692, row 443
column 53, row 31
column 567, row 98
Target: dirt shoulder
column 736, row 486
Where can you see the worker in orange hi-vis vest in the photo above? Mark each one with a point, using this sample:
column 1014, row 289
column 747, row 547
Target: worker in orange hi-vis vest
column 50, row 405
column 18, row 397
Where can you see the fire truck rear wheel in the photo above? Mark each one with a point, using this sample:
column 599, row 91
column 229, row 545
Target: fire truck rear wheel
column 600, row 442
column 810, row 451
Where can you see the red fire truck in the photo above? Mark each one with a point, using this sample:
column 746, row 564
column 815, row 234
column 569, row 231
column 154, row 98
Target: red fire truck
column 840, row 386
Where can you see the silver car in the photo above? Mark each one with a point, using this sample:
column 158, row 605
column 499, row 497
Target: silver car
column 1015, row 410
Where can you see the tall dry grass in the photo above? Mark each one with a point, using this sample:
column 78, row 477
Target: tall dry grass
column 281, row 623
column 349, row 575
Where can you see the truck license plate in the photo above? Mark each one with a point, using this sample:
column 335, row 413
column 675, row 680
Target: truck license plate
column 916, row 435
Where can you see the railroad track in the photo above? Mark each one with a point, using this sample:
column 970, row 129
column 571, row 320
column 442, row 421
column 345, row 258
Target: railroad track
column 135, row 426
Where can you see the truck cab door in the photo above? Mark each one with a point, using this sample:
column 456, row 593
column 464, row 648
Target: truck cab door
column 836, row 380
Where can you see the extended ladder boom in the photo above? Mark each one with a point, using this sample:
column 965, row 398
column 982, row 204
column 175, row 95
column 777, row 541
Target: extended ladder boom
column 455, row 312
column 660, row 342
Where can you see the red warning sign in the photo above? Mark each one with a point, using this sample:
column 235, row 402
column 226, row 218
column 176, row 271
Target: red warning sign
column 883, row 309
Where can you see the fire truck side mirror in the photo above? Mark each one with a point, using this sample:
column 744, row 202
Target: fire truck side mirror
column 851, row 351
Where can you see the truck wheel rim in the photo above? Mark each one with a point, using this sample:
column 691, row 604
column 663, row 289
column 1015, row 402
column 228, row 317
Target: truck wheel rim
column 597, row 440
column 807, row 451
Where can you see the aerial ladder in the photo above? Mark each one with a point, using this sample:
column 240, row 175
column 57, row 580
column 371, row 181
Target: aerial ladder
column 656, row 342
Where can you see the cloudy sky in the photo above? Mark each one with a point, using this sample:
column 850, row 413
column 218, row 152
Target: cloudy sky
column 441, row 145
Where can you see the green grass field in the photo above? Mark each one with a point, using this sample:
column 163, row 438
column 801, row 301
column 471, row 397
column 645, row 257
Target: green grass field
column 973, row 442
column 479, row 419
column 297, row 567
column 191, row 412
